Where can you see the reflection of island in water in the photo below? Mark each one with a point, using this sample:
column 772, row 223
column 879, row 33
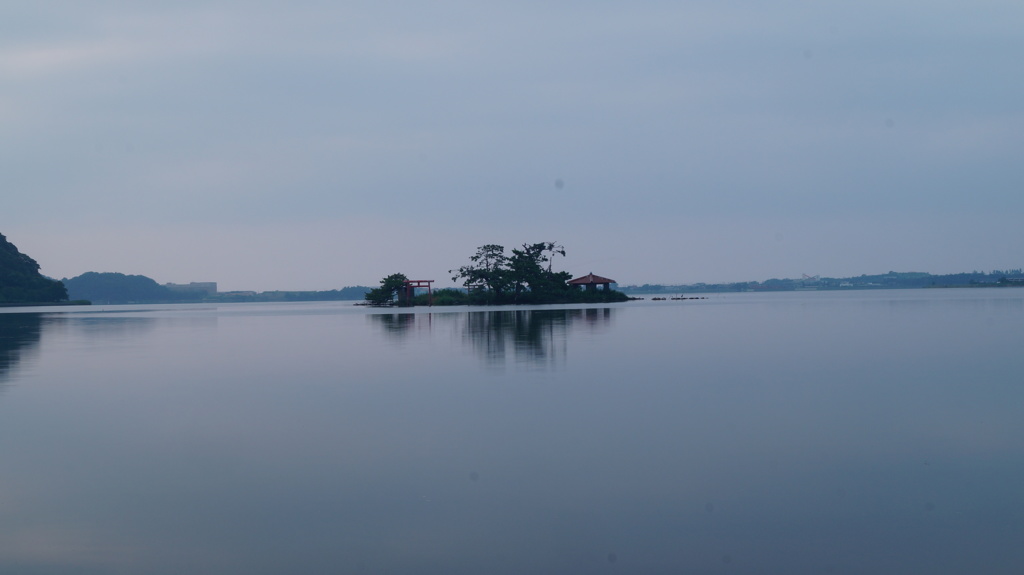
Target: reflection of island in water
column 19, row 336
column 535, row 337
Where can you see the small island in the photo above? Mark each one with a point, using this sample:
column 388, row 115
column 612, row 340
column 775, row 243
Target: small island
column 494, row 278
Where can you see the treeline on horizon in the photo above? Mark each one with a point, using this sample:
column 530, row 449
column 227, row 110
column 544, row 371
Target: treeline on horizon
column 891, row 280
column 118, row 288
column 514, row 278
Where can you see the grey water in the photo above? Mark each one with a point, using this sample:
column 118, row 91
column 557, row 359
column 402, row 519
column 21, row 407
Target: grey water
column 810, row 432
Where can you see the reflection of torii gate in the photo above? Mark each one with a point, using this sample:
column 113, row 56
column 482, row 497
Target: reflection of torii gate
column 410, row 290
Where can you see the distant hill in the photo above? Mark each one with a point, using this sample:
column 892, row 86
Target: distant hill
column 20, row 280
column 117, row 288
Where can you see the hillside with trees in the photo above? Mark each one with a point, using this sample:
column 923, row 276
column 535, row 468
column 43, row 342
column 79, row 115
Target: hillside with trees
column 21, row 282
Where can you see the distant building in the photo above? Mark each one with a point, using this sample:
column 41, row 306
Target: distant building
column 204, row 287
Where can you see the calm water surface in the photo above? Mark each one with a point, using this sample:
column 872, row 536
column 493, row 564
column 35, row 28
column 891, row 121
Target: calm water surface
column 857, row 432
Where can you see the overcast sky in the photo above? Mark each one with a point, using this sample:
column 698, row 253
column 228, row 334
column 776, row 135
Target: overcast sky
column 316, row 144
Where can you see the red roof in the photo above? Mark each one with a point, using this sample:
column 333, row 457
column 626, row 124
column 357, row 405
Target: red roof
column 591, row 279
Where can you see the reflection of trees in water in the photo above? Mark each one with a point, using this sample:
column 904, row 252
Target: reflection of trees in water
column 593, row 319
column 20, row 333
column 532, row 337
column 398, row 325
column 19, row 336
column 529, row 337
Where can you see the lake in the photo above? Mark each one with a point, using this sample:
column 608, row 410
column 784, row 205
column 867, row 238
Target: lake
column 808, row 432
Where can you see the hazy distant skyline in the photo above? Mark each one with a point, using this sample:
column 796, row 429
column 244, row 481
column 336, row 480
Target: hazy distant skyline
column 313, row 145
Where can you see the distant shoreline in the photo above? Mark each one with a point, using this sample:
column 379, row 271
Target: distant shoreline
column 891, row 280
column 46, row 304
column 635, row 291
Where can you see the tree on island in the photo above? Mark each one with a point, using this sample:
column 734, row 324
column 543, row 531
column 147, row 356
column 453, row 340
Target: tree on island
column 488, row 271
column 20, row 280
column 494, row 278
column 528, row 277
column 497, row 278
column 389, row 287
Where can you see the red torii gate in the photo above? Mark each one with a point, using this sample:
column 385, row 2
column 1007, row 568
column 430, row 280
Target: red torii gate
column 410, row 290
